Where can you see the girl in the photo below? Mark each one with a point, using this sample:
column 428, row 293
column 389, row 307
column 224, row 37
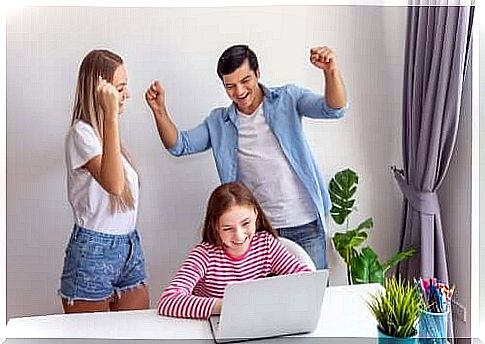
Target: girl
column 238, row 243
column 104, row 267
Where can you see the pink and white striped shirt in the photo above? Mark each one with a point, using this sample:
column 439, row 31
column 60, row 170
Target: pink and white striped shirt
column 208, row 269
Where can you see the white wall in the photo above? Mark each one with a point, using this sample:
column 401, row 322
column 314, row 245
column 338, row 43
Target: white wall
column 181, row 46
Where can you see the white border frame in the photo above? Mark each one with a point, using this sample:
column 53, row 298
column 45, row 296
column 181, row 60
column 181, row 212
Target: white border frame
column 477, row 284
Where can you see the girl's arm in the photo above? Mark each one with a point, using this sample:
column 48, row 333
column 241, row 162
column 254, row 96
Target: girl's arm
column 107, row 168
column 177, row 299
column 282, row 261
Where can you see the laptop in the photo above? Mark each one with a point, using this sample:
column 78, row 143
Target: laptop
column 270, row 307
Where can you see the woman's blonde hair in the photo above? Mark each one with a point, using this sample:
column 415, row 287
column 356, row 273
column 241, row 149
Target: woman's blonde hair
column 86, row 108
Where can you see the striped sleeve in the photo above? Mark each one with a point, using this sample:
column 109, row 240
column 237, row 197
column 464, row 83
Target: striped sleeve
column 177, row 299
column 282, row 261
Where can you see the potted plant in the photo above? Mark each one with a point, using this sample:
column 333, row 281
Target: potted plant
column 397, row 309
column 362, row 263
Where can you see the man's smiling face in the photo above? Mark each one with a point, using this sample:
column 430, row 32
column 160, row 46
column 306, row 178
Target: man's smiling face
column 243, row 89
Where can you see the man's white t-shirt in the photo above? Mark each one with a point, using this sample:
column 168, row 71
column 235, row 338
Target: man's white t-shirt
column 89, row 201
column 263, row 168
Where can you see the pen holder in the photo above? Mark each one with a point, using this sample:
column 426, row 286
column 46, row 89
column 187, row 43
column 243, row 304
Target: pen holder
column 433, row 327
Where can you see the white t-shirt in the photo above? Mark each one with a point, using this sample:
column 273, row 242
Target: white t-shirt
column 263, row 168
column 89, row 201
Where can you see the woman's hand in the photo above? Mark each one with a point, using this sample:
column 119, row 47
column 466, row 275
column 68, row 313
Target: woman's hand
column 109, row 98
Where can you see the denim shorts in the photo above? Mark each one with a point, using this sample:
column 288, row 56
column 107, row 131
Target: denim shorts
column 98, row 265
column 311, row 237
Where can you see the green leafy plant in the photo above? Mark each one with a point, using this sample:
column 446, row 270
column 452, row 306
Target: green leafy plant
column 397, row 308
column 363, row 265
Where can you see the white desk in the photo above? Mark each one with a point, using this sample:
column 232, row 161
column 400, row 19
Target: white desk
column 344, row 314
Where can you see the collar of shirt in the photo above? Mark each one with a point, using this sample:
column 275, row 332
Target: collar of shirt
column 231, row 112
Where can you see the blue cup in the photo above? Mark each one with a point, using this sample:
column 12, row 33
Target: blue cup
column 433, row 327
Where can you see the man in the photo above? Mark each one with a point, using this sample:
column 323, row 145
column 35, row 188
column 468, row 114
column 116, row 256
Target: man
column 259, row 141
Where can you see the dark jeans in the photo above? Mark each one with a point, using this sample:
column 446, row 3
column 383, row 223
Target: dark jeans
column 311, row 237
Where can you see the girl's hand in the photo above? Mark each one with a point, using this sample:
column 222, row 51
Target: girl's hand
column 217, row 307
column 109, row 98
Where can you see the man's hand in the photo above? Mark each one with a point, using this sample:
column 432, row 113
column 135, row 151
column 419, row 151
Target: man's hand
column 155, row 97
column 323, row 58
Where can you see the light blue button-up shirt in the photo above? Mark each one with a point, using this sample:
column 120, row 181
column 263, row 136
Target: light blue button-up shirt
column 283, row 108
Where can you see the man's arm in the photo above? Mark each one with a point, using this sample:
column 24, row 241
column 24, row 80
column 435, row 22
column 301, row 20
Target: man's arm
column 323, row 58
column 155, row 97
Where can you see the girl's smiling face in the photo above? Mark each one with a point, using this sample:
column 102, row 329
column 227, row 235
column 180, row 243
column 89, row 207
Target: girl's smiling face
column 237, row 226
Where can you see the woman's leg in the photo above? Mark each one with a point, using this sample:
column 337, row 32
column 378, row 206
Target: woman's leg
column 131, row 299
column 85, row 306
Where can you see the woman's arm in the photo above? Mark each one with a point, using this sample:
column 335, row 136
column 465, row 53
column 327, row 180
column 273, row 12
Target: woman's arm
column 107, row 168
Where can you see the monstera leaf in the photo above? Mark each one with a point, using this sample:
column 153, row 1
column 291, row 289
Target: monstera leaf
column 346, row 243
column 407, row 253
column 365, row 267
column 342, row 189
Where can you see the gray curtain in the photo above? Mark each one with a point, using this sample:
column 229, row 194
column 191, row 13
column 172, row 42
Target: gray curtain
column 436, row 55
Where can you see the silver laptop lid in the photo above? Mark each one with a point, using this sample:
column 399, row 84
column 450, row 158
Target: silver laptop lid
column 272, row 306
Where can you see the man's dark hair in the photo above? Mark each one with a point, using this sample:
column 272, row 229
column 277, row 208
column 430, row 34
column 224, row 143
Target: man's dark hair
column 233, row 57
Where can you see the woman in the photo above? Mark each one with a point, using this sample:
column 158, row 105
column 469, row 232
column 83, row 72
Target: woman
column 104, row 266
